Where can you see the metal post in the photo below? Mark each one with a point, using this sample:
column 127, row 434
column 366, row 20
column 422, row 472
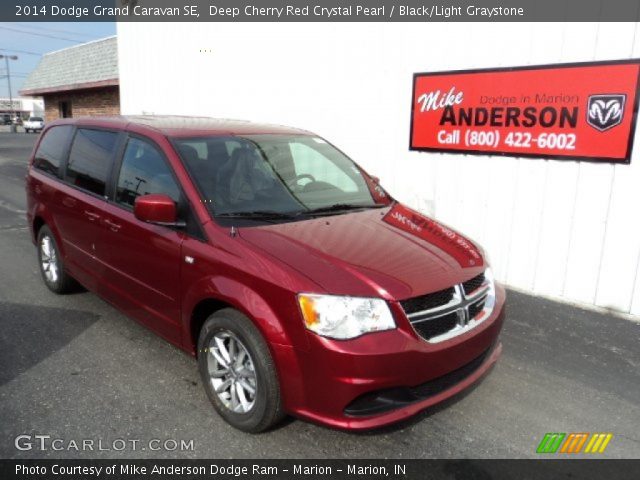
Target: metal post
column 6, row 61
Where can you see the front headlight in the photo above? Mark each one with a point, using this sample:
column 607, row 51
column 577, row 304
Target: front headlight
column 344, row 317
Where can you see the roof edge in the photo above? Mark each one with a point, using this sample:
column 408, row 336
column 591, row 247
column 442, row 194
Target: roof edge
column 103, row 39
column 112, row 82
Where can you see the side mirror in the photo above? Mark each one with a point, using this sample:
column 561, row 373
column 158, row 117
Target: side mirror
column 155, row 208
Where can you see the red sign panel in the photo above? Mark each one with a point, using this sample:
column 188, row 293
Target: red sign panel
column 583, row 111
column 462, row 250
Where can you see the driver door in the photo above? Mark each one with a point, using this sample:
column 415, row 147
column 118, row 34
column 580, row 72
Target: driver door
column 143, row 259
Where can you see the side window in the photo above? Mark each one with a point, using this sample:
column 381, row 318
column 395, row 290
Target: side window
column 51, row 149
column 144, row 171
column 309, row 161
column 90, row 159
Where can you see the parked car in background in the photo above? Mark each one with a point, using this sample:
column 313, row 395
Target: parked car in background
column 297, row 281
column 33, row 124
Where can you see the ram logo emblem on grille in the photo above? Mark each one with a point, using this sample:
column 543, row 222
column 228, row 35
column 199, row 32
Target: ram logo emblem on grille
column 447, row 313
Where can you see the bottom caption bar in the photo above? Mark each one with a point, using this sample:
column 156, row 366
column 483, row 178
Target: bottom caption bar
column 311, row 469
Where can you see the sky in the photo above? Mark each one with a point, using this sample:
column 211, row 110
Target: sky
column 30, row 40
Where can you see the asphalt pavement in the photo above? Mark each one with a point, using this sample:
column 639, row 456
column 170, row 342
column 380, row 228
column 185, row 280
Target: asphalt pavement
column 74, row 368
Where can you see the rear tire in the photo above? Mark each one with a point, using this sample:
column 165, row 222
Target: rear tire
column 238, row 372
column 51, row 265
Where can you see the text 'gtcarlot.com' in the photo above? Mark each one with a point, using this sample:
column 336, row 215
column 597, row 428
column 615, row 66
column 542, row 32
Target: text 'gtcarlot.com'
column 46, row 442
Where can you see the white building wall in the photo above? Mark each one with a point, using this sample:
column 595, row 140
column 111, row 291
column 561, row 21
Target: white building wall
column 560, row 228
column 33, row 105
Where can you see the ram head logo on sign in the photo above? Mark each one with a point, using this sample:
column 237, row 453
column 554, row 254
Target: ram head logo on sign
column 605, row 111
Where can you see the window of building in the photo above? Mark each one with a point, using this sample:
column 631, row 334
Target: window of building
column 64, row 109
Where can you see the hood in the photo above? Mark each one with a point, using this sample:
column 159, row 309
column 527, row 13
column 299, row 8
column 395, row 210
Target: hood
column 392, row 252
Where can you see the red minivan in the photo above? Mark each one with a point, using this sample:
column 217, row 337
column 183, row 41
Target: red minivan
column 299, row 284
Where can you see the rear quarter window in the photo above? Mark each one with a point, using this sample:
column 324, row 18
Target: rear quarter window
column 90, row 159
column 52, row 148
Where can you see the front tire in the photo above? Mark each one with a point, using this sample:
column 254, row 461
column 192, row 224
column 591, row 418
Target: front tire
column 238, row 372
column 51, row 264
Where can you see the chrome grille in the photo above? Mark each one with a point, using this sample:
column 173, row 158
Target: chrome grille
column 428, row 301
column 470, row 285
column 436, row 326
column 447, row 313
column 476, row 308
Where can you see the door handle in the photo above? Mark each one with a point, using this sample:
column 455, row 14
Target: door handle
column 91, row 215
column 112, row 225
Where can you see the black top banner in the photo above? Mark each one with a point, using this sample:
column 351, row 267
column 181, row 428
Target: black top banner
column 319, row 11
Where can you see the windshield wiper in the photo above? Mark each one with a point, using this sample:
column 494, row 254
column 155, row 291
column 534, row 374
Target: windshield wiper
column 342, row 207
column 260, row 214
column 274, row 215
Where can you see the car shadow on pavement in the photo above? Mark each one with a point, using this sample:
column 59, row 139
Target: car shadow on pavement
column 30, row 333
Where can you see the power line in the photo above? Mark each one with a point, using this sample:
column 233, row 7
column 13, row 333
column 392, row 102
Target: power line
column 55, row 30
column 26, row 52
column 41, row 34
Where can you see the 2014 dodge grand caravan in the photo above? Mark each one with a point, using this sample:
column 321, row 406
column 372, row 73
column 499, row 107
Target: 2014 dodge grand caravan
column 299, row 284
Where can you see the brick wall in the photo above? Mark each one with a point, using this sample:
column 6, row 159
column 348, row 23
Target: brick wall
column 90, row 102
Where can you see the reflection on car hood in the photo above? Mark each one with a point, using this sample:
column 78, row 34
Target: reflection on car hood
column 362, row 253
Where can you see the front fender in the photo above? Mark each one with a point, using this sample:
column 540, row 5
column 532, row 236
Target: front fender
column 284, row 341
column 248, row 301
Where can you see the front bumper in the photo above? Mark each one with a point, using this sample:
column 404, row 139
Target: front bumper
column 386, row 377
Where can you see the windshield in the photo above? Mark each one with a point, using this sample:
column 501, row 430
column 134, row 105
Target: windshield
column 276, row 175
column 35, row 119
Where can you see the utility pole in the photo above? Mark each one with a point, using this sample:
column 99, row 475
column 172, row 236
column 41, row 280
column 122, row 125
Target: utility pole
column 6, row 60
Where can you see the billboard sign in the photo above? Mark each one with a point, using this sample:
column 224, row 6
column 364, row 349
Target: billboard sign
column 584, row 111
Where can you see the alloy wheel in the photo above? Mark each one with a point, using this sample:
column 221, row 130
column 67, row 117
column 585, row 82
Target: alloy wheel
column 232, row 372
column 49, row 259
